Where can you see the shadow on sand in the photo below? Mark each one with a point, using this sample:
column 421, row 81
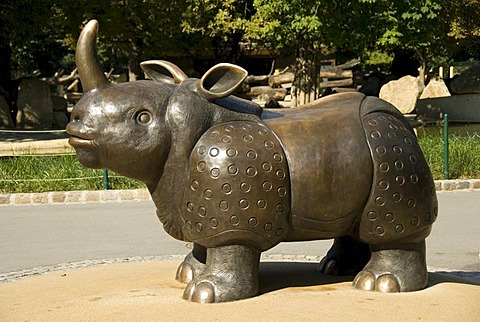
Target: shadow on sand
column 461, row 277
column 274, row 276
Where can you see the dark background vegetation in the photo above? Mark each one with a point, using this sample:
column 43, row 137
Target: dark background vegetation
column 40, row 35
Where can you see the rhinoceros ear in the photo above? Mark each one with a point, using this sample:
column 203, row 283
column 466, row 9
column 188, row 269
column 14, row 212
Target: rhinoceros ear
column 221, row 80
column 163, row 71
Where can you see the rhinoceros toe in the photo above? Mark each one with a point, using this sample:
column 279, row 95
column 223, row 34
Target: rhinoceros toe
column 367, row 281
column 208, row 288
column 203, row 292
column 188, row 269
column 328, row 266
column 185, row 273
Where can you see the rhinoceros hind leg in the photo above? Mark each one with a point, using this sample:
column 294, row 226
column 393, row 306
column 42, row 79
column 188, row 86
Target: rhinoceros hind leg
column 347, row 256
column 231, row 273
column 399, row 268
column 192, row 265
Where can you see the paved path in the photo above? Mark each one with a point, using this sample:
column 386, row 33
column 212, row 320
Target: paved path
column 21, row 142
column 39, row 235
column 45, row 235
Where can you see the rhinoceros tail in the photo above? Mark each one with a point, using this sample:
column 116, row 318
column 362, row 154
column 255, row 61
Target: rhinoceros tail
column 402, row 199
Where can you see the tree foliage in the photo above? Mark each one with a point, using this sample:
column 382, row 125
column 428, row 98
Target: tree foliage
column 217, row 18
column 41, row 34
column 132, row 30
column 359, row 26
column 24, row 25
column 317, row 24
column 223, row 23
column 464, row 28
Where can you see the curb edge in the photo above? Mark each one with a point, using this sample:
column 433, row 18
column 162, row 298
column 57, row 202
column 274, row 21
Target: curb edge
column 72, row 197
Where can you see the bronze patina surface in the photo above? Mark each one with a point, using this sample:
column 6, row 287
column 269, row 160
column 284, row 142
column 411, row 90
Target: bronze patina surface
column 236, row 180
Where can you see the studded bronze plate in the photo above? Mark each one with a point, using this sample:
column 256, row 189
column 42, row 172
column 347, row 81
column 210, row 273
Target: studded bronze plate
column 403, row 199
column 239, row 188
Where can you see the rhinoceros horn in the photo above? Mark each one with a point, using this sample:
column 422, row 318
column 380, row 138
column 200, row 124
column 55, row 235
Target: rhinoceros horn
column 89, row 69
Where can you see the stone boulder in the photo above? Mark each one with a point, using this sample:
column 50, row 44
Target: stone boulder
column 5, row 117
column 402, row 93
column 60, row 118
column 467, row 82
column 435, row 88
column 35, row 106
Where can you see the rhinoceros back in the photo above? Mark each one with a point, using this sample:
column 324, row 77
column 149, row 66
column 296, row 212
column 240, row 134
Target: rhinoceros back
column 239, row 188
column 402, row 200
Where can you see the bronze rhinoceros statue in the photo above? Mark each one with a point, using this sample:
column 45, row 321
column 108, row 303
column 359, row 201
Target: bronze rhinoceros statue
column 237, row 180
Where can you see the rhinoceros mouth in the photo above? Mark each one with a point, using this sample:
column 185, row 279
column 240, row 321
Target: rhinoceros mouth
column 78, row 142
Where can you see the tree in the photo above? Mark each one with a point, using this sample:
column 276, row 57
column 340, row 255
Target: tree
column 412, row 25
column 21, row 21
column 220, row 24
column 134, row 30
column 358, row 27
column 430, row 28
column 311, row 30
column 131, row 29
column 464, row 27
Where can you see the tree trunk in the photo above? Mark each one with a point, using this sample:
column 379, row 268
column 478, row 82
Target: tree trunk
column 307, row 70
column 5, row 60
column 423, row 61
column 134, row 69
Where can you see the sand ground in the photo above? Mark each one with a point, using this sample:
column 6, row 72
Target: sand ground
column 290, row 291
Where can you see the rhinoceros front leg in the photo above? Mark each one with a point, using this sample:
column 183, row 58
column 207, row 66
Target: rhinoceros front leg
column 347, row 256
column 192, row 265
column 394, row 268
column 230, row 273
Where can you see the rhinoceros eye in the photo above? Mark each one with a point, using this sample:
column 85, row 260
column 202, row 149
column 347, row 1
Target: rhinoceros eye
column 144, row 117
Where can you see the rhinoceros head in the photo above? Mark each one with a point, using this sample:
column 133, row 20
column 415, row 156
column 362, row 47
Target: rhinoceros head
column 130, row 128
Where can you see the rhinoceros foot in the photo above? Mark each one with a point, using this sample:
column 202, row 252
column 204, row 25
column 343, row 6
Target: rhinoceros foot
column 347, row 256
column 230, row 273
column 192, row 265
column 394, row 270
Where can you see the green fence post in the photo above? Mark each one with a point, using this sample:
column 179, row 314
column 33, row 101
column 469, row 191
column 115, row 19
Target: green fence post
column 105, row 179
column 445, row 147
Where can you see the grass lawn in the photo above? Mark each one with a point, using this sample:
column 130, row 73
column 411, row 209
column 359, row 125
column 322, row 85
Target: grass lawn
column 55, row 173
column 464, row 155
